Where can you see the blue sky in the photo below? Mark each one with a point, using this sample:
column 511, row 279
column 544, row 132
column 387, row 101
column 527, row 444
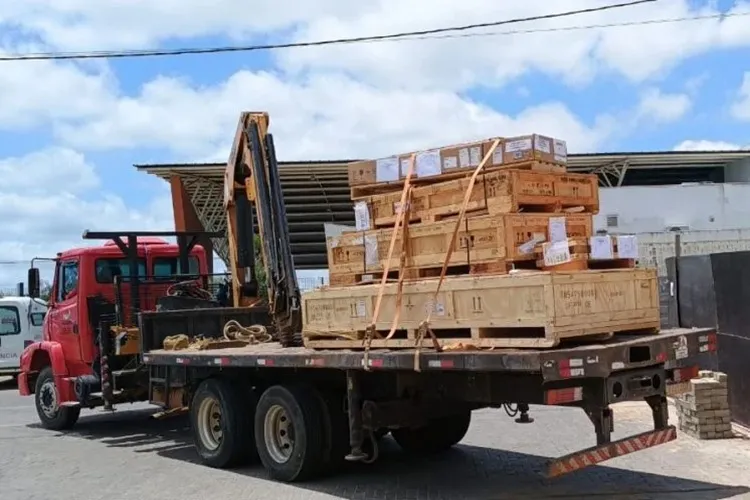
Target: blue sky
column 70, row 132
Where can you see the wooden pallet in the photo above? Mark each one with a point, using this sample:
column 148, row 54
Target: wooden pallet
column 527, row 310
column 495, row 192
column 365, row 190
column 485, row 240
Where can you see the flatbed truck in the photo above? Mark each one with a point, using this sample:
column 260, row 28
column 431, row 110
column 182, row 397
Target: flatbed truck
column 302, row 412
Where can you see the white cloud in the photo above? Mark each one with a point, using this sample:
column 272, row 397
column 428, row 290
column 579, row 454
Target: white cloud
column 49, row 197
column 704, row 145
column 741, row 107
column 662, row 107
column 326, row 116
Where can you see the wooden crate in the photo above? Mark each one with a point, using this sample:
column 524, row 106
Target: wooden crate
column 485, row 244
column 496, row 192
column 365, row 190
column 534, row 309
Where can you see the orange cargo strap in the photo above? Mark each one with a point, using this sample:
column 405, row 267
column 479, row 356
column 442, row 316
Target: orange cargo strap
column 401, row 218
column 424, row 327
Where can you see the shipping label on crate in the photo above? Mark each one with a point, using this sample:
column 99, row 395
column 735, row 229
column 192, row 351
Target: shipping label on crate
column 627, row 246
column 387, row 169
column 556, row 253
column 361, row 216
column 601, row 247
column 557, row 229
column 428, row 163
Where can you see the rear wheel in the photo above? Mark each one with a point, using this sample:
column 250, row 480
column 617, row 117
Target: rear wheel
column 221, row 415
column 51, row 414
column 437, row 435
column 291, row 433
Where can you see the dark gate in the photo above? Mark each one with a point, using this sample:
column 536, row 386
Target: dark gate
column 714, row 291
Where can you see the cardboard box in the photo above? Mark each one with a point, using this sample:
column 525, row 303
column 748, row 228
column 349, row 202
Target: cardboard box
column 374, row 171
column 533, row 147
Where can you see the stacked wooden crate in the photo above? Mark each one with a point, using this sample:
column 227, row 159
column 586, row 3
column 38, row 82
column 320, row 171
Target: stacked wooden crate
column 518, row 273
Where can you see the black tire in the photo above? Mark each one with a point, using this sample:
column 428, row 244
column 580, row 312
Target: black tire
column 438, row 435
column 51, row 415
column 300, row 412
column 236, row 445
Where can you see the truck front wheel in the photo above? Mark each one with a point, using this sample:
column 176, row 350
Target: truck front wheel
column 290, row 431
column 221, row 415
column 51, row 414
column 437, row 435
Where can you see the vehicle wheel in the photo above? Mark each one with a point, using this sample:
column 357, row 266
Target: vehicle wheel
column 438, row 435
column 51, row 414
column 290, row 432
column 221, row 415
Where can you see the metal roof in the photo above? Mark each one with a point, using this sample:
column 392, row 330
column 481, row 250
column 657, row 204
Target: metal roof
column 317, row 192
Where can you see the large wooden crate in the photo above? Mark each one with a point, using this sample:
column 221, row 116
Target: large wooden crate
column 496, row 192
column 533, row 309
column 488, row 243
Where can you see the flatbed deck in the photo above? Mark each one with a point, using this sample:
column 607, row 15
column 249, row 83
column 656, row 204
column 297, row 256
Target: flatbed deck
column 596, row 360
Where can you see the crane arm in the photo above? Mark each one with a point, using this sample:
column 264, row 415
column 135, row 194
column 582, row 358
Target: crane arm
column 251, row 180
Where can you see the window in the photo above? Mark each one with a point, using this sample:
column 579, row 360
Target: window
column 10, row 321
column 68, row 279
column 37, row 319
column 168, row 267
column 107, row 269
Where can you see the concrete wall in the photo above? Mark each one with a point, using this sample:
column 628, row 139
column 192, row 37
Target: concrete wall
column 700, row 207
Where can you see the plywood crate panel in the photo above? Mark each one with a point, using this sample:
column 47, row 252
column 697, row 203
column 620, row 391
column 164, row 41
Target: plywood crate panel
column 499, row 191
column 483, row 239
column 497, row 310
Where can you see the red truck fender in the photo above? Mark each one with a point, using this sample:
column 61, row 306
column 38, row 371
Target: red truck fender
column 35, row 358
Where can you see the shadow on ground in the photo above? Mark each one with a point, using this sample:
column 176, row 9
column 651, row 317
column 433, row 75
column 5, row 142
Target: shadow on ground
column 8, row 384
column 467, row 472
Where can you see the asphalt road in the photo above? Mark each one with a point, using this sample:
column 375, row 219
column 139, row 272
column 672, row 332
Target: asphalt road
column 128, row 456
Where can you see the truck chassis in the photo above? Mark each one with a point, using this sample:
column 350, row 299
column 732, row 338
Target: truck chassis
column 301, row 412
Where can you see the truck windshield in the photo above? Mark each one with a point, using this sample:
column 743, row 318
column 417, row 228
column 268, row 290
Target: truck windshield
column 10, row 320
column 167, row 267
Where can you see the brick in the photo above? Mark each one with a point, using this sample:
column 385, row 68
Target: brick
column 720, row 377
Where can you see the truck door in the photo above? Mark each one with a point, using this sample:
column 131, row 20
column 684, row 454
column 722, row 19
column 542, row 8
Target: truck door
column 63, row 317
column 11, row 340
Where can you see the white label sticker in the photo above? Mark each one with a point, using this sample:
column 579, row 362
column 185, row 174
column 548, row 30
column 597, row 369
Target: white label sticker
column 560, row 150
column 544, row 145
column 681, row 348
column 405, row 162
column 475, row 155
column 497, row 156
column 627, row 246
column 386, row 169
column 428, row 163
column 556, row 253
column 601, row 247
column 463, row 157
column 530, row 245
column 333, row 241
column 557, row 229
column 361, row 308
column 361, row 216
column 437, row 308
column 518, row 145
column 371, row 250
column 450, row 162
column 618, row 365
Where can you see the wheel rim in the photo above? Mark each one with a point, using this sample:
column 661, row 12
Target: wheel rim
column 278, row 432
column 48, row 399
column 209, row 423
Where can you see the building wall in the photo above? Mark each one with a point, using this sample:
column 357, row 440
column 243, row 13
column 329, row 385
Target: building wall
column 695, row 207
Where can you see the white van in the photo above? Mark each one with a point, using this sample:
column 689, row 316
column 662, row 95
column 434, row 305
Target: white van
column 21, row 321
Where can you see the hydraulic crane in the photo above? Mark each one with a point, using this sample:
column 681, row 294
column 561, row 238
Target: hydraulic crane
column 251, row 184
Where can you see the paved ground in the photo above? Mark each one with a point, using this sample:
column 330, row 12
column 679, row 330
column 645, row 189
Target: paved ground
column 127, row 456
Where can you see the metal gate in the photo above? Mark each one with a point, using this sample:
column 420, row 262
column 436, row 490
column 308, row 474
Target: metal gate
column 714, row 291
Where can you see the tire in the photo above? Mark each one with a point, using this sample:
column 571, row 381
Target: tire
column 235, row 444
column 285, row 411
column 51, row 415
column 438, row 435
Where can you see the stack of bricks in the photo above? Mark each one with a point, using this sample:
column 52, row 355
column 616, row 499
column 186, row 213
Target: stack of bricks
column 703, row 412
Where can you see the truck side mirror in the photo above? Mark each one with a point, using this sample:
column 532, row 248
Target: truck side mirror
column 34, row 282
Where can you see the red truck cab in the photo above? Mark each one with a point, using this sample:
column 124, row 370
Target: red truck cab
column 69, row 346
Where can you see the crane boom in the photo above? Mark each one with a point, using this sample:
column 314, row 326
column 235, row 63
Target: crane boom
column 251, row 180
